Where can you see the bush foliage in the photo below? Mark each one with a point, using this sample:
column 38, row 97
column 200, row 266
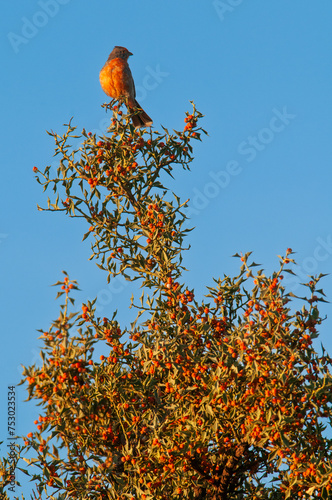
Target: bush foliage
column 224, row 398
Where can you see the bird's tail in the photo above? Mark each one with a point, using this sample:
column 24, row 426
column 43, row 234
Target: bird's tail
column 140, row 118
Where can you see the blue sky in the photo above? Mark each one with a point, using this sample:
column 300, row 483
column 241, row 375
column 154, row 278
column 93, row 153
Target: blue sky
column 261, row 74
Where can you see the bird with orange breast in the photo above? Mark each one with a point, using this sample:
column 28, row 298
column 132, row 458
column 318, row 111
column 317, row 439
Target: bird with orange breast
column 117, row 82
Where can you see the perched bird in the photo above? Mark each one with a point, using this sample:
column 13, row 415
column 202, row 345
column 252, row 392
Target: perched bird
column 116, row 81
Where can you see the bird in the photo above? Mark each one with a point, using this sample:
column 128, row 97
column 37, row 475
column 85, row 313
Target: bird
column 117, row 82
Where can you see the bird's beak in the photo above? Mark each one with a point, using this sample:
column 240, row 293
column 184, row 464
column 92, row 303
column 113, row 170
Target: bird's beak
column 130, row 53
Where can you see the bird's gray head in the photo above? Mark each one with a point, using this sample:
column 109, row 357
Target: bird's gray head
column 120, row 52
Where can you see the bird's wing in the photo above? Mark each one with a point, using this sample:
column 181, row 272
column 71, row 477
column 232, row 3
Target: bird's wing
column 130, row 82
